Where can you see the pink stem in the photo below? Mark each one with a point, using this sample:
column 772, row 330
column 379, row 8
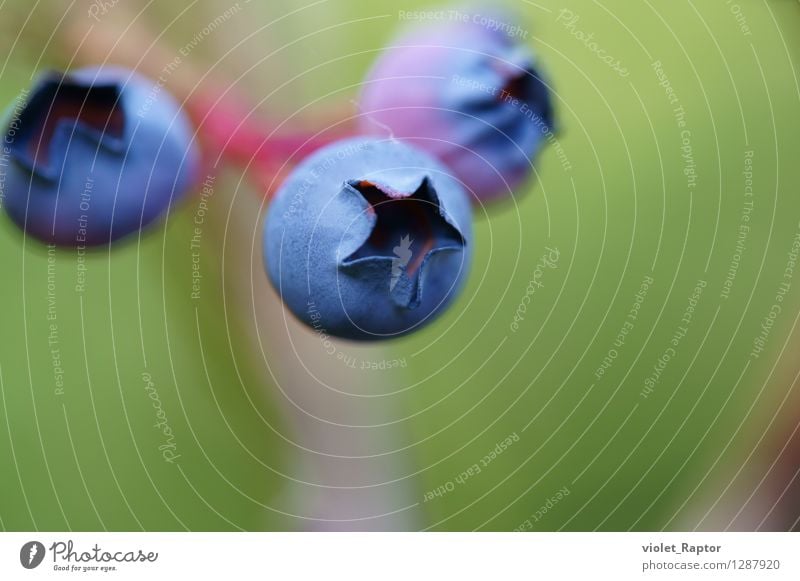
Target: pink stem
column 229, row 130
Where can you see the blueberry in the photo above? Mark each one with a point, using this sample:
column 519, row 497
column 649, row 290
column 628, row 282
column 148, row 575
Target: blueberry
column 470, row 95
column 368, row 239
column 94, row 155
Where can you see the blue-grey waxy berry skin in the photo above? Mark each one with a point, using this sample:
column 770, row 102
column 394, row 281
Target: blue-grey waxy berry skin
column 472, row 96
column 94, row 155
column 368, row 239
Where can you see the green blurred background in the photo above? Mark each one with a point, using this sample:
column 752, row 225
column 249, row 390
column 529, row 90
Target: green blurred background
column 615, row 201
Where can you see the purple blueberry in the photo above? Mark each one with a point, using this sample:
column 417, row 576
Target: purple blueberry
column 368, row 239
column 470, row 95
column 95, row 154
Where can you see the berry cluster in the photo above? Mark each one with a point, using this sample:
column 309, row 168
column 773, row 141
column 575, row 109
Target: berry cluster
column 369, row 237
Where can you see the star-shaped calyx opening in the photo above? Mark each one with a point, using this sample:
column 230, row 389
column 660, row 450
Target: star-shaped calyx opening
column 407, row 229
column 523, row 82
column 60, row 107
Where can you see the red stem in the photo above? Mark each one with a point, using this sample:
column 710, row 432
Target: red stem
column 229, row 131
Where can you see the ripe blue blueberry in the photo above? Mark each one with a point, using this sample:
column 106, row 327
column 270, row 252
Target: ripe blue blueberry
column 94, row 155
column 368, row 239
column 466, row 92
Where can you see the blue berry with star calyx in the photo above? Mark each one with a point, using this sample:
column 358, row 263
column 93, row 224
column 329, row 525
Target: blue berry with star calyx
column 472, row 95
column 95, row 154
column 368, row 239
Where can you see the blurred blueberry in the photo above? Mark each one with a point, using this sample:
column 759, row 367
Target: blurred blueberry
column 95, row 154
column 368, row 239
column 467, row 92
